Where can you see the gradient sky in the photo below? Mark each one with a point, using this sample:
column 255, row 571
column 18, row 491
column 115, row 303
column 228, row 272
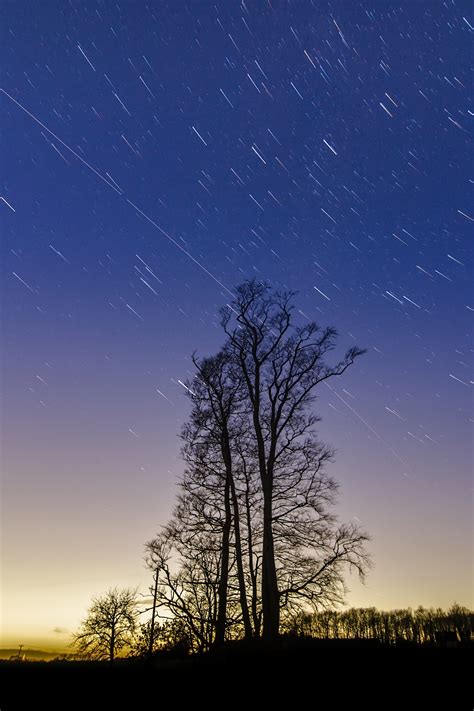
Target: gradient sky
column 153, row 156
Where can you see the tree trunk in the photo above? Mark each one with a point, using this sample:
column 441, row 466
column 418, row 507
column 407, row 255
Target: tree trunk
column 223, row 581
column 152, row 626
column 270, row 596
column 240, row 566
column 112, row 646
column 252, row 566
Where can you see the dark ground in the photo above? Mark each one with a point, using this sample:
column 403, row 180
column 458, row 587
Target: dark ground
column 295, row 673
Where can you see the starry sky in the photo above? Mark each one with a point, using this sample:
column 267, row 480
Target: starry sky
column 154, row 155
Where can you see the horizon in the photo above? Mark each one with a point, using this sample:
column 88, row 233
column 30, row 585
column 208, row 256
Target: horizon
column 67, row 648
column 155, row 158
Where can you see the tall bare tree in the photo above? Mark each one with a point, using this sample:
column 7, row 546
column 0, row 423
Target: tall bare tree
column 252, row 536
column 281, row 364
column 217, row 424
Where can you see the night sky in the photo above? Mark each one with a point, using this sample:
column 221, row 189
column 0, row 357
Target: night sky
column 154, row 155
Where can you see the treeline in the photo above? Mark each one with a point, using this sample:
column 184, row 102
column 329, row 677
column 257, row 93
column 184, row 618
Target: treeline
column 420, row 626
column 112, row 628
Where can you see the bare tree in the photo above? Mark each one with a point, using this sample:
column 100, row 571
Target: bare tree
column 109, row 627
column 188, row 561
column 217, row 423
column 281, row 365
column 252, row 536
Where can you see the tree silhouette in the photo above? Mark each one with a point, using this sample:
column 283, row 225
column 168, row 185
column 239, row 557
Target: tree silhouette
column 109, row 626
column 252, row 537
column 281, row 365
column 216, row 427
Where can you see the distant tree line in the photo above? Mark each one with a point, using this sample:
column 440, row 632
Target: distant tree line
column 420, row 626
column 111, row 628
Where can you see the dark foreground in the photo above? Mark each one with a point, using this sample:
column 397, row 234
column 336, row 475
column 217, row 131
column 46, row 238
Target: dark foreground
column 322, row 674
